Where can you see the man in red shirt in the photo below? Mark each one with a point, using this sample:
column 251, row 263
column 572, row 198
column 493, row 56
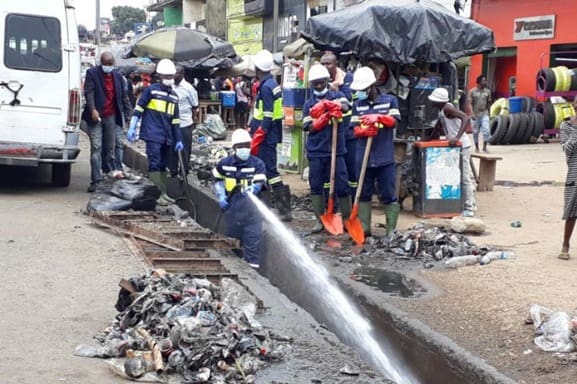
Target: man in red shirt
column 107, row 109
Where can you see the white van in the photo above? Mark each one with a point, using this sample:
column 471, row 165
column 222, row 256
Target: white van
column 40, row 95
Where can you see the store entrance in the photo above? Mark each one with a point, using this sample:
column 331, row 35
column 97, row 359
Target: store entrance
column 502, row 71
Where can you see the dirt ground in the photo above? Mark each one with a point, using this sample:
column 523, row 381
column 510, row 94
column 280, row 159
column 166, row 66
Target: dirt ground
column 483, row 308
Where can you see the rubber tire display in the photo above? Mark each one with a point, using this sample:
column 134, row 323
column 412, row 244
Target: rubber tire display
column 573, row 80
column 524, row 130
column 528, row 104
column 512, row 128
column 548, row 111
column 546, row 80
column 61, row 174
column 539, row 125
column 498, row 128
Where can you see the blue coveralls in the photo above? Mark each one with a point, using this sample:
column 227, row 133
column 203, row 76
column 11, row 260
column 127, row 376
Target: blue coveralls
column 268, row 114
column 318, row 147
column 160, row 126
column 243, row 221
column 350, row 139
column 381, row 165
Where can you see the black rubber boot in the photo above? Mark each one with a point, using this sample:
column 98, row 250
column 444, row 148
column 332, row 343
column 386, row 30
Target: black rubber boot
column 282, row 195
column 318, row 203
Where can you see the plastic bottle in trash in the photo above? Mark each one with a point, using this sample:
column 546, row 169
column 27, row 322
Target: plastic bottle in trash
column 497, row 255
column 461, row 261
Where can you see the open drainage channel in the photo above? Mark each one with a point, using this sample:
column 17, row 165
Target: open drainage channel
column 430, row 357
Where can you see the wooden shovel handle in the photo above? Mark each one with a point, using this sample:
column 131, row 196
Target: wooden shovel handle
column 363, row 169
column 333, row 157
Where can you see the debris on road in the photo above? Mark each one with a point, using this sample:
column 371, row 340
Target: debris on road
column 177, row 324
column 137, row 193
column 461, row 224
column 555, row 331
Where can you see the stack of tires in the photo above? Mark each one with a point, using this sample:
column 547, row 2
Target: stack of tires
column 521, row 125
column 555, row 113
column 557, row 79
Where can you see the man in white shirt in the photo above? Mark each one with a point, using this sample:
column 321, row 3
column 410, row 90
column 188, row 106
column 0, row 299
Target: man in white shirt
column 187, row 104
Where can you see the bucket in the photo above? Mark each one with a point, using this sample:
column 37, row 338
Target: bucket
column 515, row 104
column 228, row 98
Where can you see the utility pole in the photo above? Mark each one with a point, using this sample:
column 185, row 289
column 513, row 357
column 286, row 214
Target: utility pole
column 97, row 29
column 275, row 27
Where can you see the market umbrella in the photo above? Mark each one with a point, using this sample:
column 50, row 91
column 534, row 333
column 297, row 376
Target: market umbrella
column 192, row 48
column 401, row 31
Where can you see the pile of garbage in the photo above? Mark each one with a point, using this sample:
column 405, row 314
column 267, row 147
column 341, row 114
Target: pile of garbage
column 204, row 157
column 174, row 324
column 137, row 193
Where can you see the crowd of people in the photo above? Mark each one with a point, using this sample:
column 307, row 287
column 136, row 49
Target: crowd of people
column 351, row 116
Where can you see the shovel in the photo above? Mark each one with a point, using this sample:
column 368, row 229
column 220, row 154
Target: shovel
column 189, row 205
column 332, row 222
column 353, row 224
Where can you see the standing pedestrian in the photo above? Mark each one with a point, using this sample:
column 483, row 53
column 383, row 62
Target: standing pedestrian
column 160, row 128
column 107, row 109
column 187, row 104
column 568, row 136
column 319, row 111
column 479, row 101
column 341, row 81
column 376, row 114
column 267, row 130
column 242, row 90
column 237, row 176
column 454, row 124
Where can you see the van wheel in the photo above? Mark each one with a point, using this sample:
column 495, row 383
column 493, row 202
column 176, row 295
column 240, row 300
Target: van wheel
column 61, row 175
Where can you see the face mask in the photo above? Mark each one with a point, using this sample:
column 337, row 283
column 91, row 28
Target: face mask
column 243, row 153
column 321, row 93
column 362, row 95
column 107, row 68
column 168, row 82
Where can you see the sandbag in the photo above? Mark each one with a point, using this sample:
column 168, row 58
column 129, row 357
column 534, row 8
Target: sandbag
column 212, row 126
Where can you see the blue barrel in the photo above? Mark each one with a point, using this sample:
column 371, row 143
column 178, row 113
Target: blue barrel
column 515, row 104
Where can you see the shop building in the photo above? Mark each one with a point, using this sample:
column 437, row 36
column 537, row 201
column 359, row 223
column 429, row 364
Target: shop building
column 529, row 35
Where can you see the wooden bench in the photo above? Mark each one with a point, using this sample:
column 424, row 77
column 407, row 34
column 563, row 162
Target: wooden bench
column 487, row 170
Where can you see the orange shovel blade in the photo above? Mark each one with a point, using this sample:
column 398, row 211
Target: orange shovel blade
column 333, row 223
column 355, row 230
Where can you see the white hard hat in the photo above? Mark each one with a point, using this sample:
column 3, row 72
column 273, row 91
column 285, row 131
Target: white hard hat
column 263, row 60
column 363, row 78
column 165, row 67
column 317, row 72
column 439, row 95
column 240, row 136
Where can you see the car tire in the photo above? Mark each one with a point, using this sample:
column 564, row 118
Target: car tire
column 61, row 173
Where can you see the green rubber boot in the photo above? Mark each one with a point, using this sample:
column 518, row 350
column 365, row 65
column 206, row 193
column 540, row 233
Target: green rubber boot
column 159, row 179
column 365, row 214
column 392, row 215
column 346, row 207
column 318, row 203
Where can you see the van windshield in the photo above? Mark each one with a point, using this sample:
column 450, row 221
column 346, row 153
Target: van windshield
column 32, row 43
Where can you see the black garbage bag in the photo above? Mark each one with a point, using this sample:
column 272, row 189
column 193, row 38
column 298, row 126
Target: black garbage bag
column 101, row 202
column 143, row 193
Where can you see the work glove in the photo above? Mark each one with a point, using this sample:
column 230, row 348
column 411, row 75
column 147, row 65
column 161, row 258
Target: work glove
column 321, row 122
column 257, row 139
column 318, row 109
column 334, row 109
column 388, row 121
column 365, row 131
column 221, row 195
column 380, row 121
column 253, row 189
column 179, row 146
column 131, row 134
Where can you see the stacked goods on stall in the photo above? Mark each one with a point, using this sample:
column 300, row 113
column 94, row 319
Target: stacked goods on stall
column 556, row 89
column 557, row 79
column 515, row 121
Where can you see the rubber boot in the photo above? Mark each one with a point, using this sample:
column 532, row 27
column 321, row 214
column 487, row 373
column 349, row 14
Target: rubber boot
column 159, row 180
column 346, row 207
column 365, row 214
column 392, row 216
column 282, row 194
column 318, row 203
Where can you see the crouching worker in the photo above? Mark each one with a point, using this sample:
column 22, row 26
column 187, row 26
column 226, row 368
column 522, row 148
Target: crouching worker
column 375, row 114
column 160, row 127
column 237, row 176
column 319, row 111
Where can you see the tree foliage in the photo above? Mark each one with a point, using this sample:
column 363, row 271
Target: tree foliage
column 124, row 17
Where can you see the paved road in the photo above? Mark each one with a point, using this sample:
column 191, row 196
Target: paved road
column 59, row 281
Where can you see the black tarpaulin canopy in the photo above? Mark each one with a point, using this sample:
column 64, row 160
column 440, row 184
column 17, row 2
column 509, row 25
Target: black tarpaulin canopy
column 401, row 31
column 191, row 48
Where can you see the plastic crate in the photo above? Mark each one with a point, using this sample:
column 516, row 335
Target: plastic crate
column 228, row 98
column 293, row 97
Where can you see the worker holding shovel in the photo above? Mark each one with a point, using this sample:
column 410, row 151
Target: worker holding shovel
column 375, row 115
column 326, row 150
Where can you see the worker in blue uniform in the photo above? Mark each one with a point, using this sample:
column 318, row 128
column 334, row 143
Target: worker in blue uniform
column 375, row 114
column 237, row 176
column 341, row 80
column 160, row 126
column 319, row 111
column 266, row 130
